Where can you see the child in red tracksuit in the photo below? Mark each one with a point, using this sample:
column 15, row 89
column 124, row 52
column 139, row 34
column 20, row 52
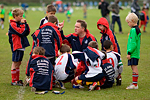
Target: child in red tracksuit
column 143, row 20
column 18, row 32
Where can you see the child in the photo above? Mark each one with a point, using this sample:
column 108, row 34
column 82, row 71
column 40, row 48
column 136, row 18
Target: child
column 41, row 71
column 10, row 15
column 2, row 16
column 92, row 62
column 18, row 32
column 143, row 19
column 68, row 14
column 48, row 38
column 65, row 66
column 103, row 25
column 133, row 48
column 51, row 10
column 115, row 59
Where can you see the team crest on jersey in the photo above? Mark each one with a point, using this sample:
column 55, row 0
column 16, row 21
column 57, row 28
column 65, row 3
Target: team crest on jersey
column 86, row 41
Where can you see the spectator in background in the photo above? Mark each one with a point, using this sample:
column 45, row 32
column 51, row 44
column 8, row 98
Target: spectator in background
column 135, row 8
column 84, row 11
column 115, row 15
column 103, row 5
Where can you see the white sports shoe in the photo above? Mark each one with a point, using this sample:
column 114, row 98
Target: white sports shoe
column 131, row 86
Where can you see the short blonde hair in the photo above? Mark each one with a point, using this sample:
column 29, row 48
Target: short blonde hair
column 17, row 12
column 132, row 17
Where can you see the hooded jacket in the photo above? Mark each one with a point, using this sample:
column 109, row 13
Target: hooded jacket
column 49, row 37
column 107, row 35
column 18, row 33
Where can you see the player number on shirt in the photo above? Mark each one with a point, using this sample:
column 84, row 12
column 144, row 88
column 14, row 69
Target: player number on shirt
column 59, row 62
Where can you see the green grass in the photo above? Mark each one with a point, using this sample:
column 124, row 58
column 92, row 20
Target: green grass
column 8, row 92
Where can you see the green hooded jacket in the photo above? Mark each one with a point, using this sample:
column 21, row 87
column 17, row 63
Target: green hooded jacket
column 134, row 41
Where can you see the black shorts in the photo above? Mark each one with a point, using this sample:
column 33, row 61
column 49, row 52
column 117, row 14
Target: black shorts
column 52, row 60
column 2, row 19
column 133, row 61
column 17, row 55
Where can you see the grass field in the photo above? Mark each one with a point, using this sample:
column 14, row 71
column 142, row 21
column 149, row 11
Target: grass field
column 8, row 92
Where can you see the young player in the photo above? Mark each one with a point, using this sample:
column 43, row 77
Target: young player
column 143, row 19
column 18, row 32
column 115, row 59
column 41, row 71
column 48, row 38
column 133, row 48
column 2, row 16
column 91, row 58
column 65, row 66
column 10, row 15
column 51, row 10
column 102, row 24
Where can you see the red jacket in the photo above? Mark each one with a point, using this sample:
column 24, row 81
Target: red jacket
column 107, row 34
column 18, row 33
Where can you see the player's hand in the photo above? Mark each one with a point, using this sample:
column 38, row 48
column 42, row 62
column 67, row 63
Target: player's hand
column 61, row 25
column 23, row 20
column 128, row 57
column 119, row 76
column 99, row 3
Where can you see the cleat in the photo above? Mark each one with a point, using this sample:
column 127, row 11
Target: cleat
column 18, row 83
column 78, row 86
column 91, row 87
column 132, row 87
column 26, row 81
column 33, row 89
column 118, row 82
column 61, row 84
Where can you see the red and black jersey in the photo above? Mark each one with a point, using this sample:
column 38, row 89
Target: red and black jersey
column 18, row 33
column 48, row 36
column 73, row 41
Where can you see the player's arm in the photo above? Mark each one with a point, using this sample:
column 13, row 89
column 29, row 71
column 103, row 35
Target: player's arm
column 23, row 30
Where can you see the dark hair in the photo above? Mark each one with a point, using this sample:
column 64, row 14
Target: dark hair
column 83, row 24
column 51, row 8
column 93, row 44
column 52, row 19
column 107, row 44
column 64, row 48
column 39, row 50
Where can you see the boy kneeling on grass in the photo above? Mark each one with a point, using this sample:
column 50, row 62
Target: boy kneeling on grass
column 41, row 71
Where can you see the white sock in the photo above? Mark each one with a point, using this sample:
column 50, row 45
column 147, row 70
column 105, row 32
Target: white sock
column 2, row 26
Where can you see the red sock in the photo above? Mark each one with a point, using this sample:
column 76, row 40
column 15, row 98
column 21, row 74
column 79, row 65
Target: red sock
column 17, row 74
column 13, row 75
column 135, row 79
column 74, row 82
